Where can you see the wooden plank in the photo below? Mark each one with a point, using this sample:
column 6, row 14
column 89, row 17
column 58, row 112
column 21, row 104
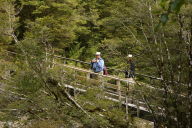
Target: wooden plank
column 112, row 99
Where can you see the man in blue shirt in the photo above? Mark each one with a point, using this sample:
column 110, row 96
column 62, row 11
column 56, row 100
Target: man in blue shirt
column 97, row 63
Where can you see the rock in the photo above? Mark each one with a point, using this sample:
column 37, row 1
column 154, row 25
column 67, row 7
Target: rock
column 75, row 124
column 14, row 124
column 2, row 124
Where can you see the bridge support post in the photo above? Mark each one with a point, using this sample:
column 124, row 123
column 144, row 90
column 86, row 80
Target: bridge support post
column 64, row 62
column 126, row 100
column 75, row 83
column 138, row 110
column 119, row 92
column 88, row 76
column 76, row 63
column 101, row 80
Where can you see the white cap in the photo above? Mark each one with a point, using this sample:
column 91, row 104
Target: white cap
column 98, row 53
column 130, row 55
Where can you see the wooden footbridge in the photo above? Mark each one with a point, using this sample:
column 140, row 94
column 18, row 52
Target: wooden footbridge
column 116, row 91
column 126, row 91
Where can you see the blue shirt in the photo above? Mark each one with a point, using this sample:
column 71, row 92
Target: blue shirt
column 98, row 66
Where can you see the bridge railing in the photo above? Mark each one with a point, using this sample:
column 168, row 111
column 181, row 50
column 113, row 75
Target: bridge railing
column 65, row 59
column 119, row 90
column 122, row 86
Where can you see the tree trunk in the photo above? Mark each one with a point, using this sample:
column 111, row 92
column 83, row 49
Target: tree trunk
column 190, row 86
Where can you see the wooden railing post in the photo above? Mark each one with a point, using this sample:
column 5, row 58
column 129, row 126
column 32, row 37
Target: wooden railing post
column 64, row 62
column 76, row 63
column 88, row 75
column 126, row 100
column 75, row 83
column 118, row 83
column 138, row 110
column 100, row 79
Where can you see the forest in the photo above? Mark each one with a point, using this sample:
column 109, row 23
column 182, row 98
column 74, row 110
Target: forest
column 46, row 55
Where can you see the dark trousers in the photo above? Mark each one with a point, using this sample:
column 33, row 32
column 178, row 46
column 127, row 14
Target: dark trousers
column 129, row 74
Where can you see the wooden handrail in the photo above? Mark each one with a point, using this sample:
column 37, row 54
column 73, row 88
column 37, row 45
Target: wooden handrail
column 111, row 77
column 87, row 71
column 57, row 56
column 88, row 63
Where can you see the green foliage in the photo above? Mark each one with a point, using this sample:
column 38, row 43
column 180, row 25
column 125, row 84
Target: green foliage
column 171, row 7
column 46, row 124
column 79, row 28
column 27, row 82
column 94, row 101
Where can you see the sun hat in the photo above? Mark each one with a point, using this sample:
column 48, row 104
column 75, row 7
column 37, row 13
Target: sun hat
column 98, row 53
column 130, row 55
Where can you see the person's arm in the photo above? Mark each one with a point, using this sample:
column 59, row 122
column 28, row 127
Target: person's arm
column 94, row 60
